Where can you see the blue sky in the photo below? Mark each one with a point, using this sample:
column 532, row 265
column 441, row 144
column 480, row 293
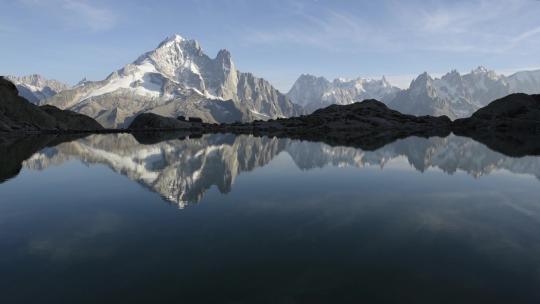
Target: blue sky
column 278, row 40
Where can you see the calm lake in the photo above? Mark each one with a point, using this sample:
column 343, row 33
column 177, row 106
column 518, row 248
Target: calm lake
column 244, row 219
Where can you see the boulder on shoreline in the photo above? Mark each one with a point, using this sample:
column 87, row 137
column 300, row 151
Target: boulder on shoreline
column 151, row 121
column 513, row 113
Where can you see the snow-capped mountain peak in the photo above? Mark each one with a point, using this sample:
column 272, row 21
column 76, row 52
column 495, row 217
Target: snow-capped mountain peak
column 36, row 88
column 480, row 70
column 175, row 38
column 422, row 80
column 174, row 79
column 315, row 92
column 459, row 95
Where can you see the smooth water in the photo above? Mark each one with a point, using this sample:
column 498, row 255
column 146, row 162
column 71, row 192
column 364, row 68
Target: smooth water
column 226, row 219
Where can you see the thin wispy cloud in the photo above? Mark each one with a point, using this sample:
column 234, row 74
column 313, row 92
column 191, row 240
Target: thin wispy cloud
column 277, row 39
column 95, row 18
column 337, row 31
column 79, row 14
column 476, row 26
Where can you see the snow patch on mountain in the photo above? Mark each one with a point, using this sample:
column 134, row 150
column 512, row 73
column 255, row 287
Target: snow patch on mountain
column 459, row 95
column 177, row 78
column 314, row 92
column 36, row 88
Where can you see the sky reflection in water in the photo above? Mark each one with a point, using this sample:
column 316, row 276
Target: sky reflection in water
column 271, row 220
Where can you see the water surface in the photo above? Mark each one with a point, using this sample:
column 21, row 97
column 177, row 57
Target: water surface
column 243, row 219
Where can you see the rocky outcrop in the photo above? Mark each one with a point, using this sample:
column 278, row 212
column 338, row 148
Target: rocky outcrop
column 14, row 149
column 19, row 115
column 69, row 120
column 151, row 121
column 510, row 125
column 368, row 125
column 515, row 112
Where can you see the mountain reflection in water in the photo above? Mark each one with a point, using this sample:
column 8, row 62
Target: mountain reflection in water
column 182, row 170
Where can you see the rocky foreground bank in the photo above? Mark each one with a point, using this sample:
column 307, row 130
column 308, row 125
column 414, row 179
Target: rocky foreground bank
column 510, row 125
column 19, row 115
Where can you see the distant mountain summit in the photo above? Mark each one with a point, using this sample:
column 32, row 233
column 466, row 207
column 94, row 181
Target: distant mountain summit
column 36, row 88
column 317, row 92
column 177, row 78
column 20, row 116
column 457, row 95
column 454, row 95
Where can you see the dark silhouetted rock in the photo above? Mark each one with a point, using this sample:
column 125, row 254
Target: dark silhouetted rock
column 195, row 119
column 151, row 121
column 369, row 124
column 70, row 120
column 181, row 118
column 150, row 138
column 19, row 115
column 510, row 125
column 515, row 112
column 16, row 148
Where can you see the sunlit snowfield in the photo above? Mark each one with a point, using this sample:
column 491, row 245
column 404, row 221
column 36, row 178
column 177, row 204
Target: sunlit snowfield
column 245, row 219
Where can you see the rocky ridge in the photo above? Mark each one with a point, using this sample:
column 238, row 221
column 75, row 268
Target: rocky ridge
column 19, row 115
column 36, row 88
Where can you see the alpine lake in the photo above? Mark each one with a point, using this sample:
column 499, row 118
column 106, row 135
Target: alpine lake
column 222, row 218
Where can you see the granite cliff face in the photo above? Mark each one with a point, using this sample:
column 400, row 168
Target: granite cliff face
column 177, row 78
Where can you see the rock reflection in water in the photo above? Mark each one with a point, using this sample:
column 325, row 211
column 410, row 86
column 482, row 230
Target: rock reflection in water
column 182, row 170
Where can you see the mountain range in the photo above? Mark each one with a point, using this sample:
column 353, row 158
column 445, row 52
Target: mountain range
column 178, row 78
column 454, row 95
column 314, row 93
column 458, row 96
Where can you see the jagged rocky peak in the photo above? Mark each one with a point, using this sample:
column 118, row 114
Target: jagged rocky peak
column 175, row 38
column 422, row 79
column 316, row 92
column 423, row 84
column 482, row 71
column 82, row 82
column 224, row 55
column 171, row 54
column 459, row 95
column 184, row 62
column 452, row 76
column 38, row 81
column 385, row 82
column 311, row 78
column 178, row 78
column 36, row 88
